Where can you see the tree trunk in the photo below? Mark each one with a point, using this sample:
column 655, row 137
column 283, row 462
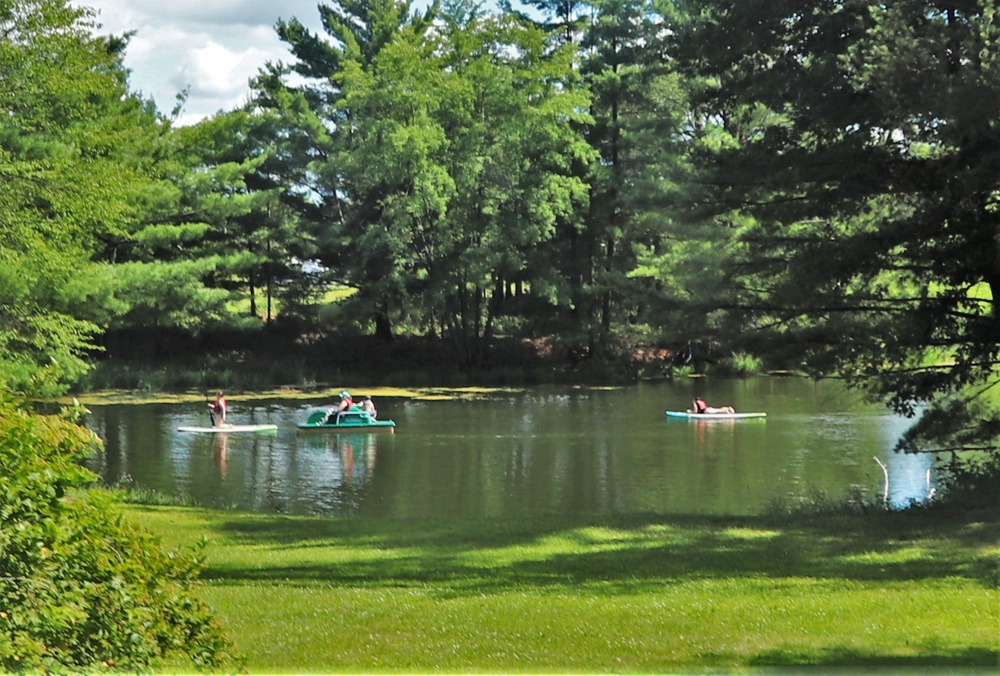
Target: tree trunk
column 383, row 325
column 253, row 296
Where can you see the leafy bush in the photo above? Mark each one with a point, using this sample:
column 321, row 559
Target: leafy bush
column 739, row 364
column 971, row 481
column 80, row 588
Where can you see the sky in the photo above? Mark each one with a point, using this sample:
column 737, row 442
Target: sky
column 211, row 47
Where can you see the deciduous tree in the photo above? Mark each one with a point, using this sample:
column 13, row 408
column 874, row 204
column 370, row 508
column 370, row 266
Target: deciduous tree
column 447, row 165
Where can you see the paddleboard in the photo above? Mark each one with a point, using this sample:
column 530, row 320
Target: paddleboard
column 229, row 428
column 714, row 416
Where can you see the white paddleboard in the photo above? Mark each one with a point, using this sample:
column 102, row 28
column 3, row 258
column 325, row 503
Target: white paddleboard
column 714, row 416
column 229, row 428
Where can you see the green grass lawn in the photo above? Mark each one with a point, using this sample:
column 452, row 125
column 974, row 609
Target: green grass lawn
column 902, row 590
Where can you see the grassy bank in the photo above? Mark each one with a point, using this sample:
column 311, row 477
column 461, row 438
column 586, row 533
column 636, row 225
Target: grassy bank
column 299, row 594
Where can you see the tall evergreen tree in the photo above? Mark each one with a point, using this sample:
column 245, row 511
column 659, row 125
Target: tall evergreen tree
column 562, row 18
column 870, row 173
column 636, row 107
column 237, row 188
column 71, row 178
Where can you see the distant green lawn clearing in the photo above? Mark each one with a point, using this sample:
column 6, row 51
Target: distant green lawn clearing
column 318, row 594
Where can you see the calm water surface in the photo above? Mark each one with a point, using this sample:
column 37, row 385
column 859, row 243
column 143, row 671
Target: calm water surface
column 534, row 451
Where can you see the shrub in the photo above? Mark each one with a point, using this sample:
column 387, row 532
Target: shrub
column 971, row 482
column 739, row 364
column 80, row 588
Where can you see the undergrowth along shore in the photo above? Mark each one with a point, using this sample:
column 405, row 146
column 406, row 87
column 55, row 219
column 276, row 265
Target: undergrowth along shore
column 265, row 359
column 910, row 589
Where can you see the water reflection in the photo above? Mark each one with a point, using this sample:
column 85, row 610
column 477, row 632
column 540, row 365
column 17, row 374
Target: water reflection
column 910, row 476
column 220, row 452
column 538, row 451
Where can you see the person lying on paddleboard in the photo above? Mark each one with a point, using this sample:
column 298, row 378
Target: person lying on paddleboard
column 701, row 407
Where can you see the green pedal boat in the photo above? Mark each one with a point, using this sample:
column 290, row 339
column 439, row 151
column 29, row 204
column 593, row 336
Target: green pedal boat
column 353, row 420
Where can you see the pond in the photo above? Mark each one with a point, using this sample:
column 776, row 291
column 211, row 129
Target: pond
column 531, row 451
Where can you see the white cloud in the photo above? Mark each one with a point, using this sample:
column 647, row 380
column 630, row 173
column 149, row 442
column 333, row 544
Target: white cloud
column 232, row 12
column 215, row 71
column 209, row 47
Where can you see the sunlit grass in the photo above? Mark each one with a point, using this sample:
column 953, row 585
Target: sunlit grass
column 601, row 594
column 336, row 293
column 702, row 624
column 240, row 306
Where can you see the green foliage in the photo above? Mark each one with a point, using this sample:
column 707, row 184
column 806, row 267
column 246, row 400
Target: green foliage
column 40, row 350
column 217, row 226
column 81, row 588
column 71, row 179
column 514, row 154
column 638, row 108
column 971, row 481
column 161, row 294
column 228, row 371
column 451, row 159
column 738, row 364
column 861, row 153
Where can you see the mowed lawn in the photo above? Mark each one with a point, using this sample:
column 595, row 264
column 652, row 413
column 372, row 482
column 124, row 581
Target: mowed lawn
column 904, row 590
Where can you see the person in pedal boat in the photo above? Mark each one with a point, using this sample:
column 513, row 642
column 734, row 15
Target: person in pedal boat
column 334, row 412
column 217, row 410
column 368, row 406
column 701, row 407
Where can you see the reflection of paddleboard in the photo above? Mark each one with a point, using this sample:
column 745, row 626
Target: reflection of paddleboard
column 713, row 416
column 230, row 428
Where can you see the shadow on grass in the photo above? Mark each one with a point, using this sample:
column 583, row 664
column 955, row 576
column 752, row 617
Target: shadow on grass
column 846, row 657
column 614, row 554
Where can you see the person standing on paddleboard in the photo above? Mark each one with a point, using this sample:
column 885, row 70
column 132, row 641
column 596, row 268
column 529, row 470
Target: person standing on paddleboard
column 217, row 410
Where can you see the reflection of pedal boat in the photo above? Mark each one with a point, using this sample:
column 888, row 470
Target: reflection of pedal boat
column 352, row 420
column 714, row 416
